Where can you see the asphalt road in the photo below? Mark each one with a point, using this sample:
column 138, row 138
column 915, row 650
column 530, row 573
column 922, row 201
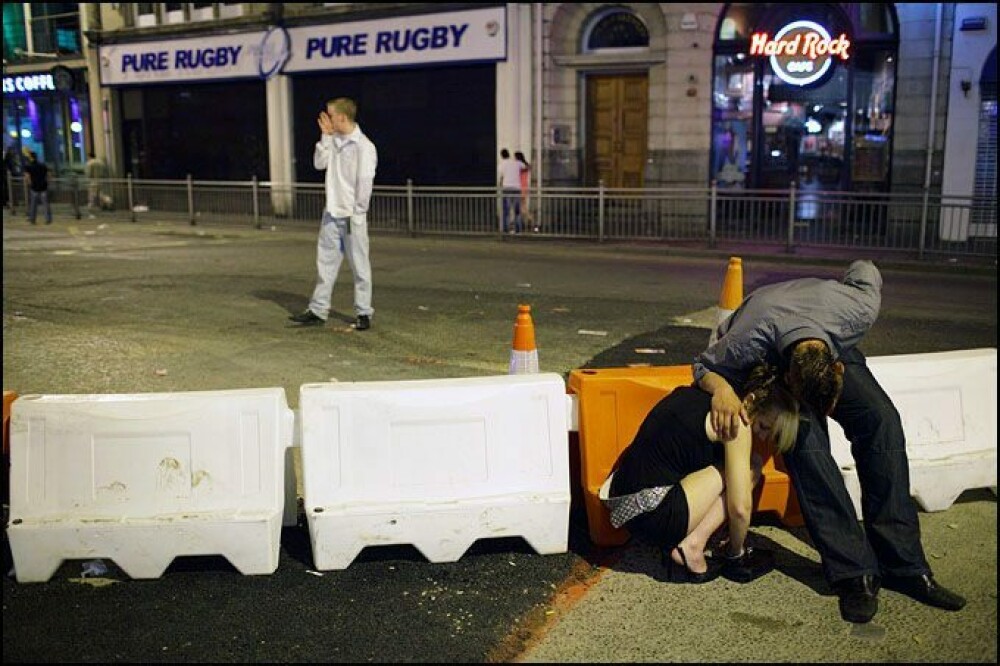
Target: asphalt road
column 96, row 307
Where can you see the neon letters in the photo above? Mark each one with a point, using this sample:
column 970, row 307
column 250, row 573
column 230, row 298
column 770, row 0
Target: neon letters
column 801, row 52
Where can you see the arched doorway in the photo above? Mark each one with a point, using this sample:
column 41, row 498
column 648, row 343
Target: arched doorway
column 617, row 102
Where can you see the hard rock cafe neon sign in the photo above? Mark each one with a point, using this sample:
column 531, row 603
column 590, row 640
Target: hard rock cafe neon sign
column 801, row 52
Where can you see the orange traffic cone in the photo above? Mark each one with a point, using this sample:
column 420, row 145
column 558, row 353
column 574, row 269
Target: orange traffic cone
column 731, row 296
column 524, row 354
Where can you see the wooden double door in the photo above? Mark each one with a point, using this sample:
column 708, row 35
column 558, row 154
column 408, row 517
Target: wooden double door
column 617, row 136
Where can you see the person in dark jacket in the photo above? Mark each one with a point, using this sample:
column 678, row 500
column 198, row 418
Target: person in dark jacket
column 37, row 174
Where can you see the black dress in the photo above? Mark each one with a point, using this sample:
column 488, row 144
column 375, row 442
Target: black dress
column 671, row 443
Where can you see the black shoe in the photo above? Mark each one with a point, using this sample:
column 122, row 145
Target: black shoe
column 858, row 598
column 679, row 573
column 748, row 567
column 307, row 318
column 363, row 323
column 925, row 590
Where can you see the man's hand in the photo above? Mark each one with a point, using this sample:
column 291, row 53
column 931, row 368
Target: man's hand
column 325, row 123
column 727, row 412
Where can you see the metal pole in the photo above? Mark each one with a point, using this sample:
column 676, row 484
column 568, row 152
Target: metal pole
column 409, row 208
column 712, row 213
column 500, row 219
column 131, row 200
column 190, row 193
column 931, row 123
column 600, row 211
column 539, row 110
column 256, row 203
column 789, row 247
column 923, row 223
column 10, row 191
column 75, row 181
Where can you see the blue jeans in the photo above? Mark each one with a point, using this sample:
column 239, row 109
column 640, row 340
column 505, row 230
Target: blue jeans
column 37, row 197
column 512, row 205
column 889, row 541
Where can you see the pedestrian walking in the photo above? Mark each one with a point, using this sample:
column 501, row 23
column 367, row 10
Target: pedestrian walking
column 37, row 174
column 95, row 171
column 509, row 178
column 525, row 190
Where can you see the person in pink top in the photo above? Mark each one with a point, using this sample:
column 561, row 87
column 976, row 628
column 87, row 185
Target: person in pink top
column 525, row 189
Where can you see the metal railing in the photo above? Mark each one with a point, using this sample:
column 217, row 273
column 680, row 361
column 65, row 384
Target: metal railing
column 916, row 225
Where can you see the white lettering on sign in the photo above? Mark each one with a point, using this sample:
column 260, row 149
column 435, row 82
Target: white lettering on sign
column 801, row 52
column 27, row 83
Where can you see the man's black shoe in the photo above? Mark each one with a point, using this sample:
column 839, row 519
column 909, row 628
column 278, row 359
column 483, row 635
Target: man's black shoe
column 364, row 323
column 307, row 318
column 925, row 590
column 858, row 598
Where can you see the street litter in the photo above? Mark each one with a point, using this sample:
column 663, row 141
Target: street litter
column 584, row 331
column 647, row 350
column 94, row 568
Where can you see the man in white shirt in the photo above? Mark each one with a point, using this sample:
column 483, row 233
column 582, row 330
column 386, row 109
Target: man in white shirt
column 350, row 159
column 509, row 177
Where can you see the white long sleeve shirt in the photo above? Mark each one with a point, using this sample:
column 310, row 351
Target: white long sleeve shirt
column 350, row 163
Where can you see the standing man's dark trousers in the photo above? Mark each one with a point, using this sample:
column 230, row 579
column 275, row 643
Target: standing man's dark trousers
column 889, row 541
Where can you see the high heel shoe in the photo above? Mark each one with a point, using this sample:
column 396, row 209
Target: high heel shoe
column 680, row 573
column 749, row 566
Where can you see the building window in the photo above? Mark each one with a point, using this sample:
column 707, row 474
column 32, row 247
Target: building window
column 615, row 29
column 145, row 14
column 14, row 37
column 230, row 9
column 173, row 12
column 55, row 27
column 984, row 211
column 202, row 11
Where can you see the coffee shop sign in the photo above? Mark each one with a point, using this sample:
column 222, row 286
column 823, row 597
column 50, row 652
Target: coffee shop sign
column 27, row 84
column 802, row 52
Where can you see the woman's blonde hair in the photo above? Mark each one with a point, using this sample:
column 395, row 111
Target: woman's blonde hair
column 769, row 394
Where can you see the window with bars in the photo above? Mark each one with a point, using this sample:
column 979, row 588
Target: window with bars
column 985, row 187
column 615, row 29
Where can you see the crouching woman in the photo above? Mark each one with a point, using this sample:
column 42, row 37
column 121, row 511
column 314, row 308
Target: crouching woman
column 678, row 482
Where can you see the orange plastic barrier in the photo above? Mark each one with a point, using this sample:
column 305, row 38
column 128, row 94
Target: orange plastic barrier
column 8, row 398
column 612, row 403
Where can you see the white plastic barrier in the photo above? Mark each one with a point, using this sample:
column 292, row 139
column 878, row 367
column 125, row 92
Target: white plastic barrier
column 947, row 402
column 434, row 463
column 141, row 479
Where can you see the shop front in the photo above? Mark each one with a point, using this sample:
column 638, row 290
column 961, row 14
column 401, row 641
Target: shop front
column 426, row 88
column 48, row 113
column 804, row 95
column 190, row 107
column 231, row 107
